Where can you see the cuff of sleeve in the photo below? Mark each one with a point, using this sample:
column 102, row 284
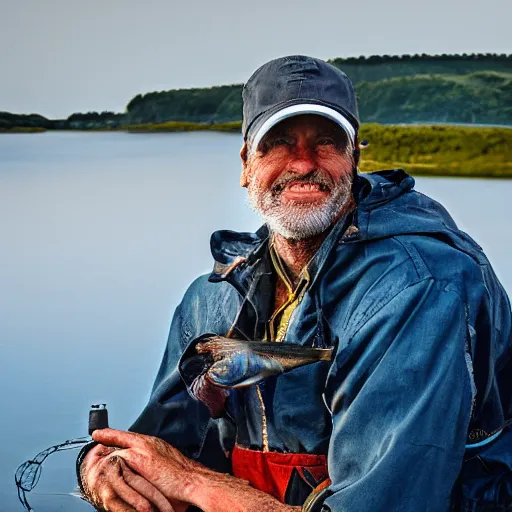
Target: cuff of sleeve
column 81, row 456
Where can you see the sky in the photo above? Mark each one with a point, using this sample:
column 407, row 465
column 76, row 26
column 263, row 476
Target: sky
column 63, row 56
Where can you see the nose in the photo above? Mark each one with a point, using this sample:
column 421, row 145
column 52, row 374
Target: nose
column 302, row 160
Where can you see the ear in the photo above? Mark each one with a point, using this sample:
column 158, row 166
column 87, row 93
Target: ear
column 357, row 152
column 244, row 178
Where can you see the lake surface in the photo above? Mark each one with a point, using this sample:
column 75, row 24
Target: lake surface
column 100, row 235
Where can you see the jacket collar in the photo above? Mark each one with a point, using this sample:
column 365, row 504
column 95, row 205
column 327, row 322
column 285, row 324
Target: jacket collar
column 238, row 255
column 231, row 249
column 381, row 212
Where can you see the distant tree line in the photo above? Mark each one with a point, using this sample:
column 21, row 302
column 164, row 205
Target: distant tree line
column 382, row 99
column 94, row 116
column 474, row 88
column 423, row 57
column 9, row 120
column 377, row 68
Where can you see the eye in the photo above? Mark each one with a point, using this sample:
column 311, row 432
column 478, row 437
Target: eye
column 326, row 141
column 276, row 142
column 281, row 141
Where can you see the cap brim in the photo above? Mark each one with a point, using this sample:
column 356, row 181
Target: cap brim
column 301, row 109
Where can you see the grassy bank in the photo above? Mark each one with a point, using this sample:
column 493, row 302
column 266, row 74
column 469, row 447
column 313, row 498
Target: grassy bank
column 439, row 150
column 179, row 126
column 23, row 129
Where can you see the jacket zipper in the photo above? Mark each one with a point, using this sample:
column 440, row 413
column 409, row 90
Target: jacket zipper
column 264, row 426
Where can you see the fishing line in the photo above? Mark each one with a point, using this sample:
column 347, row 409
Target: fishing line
column 28, row 474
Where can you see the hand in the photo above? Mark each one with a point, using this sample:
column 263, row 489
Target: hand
column 184, row 481
column 156, row 461
column 112, row 486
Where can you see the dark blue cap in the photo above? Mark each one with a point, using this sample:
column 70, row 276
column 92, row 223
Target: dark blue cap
column 295, row 85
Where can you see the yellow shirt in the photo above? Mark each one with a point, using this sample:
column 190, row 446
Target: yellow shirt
column 278, row 323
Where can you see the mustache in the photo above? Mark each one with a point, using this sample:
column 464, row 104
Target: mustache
column 316, row 177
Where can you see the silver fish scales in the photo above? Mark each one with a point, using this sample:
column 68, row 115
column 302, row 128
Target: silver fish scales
column 230, row 363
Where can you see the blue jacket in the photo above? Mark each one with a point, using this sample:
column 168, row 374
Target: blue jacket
column 422, row 368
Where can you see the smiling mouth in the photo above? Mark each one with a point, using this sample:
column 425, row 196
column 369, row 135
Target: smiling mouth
column 302, row 192
column 306, row 187
column 300, row 187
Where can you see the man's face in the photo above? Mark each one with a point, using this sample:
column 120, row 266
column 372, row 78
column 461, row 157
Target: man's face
column 299, row 178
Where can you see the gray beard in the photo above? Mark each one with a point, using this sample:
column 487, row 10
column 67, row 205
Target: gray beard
column 296, row 220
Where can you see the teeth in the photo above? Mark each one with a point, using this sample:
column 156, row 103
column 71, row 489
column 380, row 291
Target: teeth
column 304, row 186
column 300, row 185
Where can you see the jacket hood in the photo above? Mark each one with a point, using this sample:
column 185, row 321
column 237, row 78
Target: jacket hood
column 387, row 205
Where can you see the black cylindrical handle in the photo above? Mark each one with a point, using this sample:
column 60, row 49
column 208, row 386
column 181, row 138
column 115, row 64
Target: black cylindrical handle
column 98, row 417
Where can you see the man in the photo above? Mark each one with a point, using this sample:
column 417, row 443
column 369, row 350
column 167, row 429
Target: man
column 411, row 413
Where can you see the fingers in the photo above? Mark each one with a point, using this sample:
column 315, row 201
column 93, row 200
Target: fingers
column 144, row 488
column 121, row 438
column 117, row 505
column 141, row 464
column 131, row 497
column 133, row 458
column 108, row 500
column 108, row 490
column 95, row 454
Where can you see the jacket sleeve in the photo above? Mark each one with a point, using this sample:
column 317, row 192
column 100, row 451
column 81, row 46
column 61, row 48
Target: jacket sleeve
column 400, row 396
column 171, row 413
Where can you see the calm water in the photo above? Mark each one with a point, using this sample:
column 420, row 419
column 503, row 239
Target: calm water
column 100, row 235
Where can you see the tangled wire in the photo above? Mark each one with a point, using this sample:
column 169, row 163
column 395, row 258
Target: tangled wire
column 28, row 474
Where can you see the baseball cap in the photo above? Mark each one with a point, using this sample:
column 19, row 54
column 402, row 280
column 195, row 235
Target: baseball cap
column 296, row 85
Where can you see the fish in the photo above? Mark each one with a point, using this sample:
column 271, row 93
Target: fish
column 239, row 363
column 221, row 364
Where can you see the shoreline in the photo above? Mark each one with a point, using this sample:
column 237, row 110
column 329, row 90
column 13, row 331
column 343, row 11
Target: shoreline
column 437, row 150
column 169, row 127
column 233, row 127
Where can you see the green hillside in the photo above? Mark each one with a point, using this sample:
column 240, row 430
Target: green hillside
column 376, row 67
column 391, row 89
column 215, row 104
column 484, row 97
column 419, row 88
